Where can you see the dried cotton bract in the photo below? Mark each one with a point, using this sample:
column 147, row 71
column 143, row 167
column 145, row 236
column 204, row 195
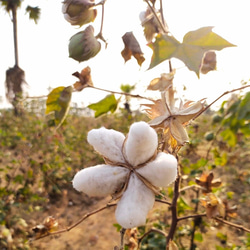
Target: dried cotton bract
column 172, row 119
column 132, row 173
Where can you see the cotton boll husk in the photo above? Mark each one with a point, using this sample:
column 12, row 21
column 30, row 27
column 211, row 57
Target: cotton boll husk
column 133, row 207
column 107, row 142
column 141, row 143
column 100, row 180
column 160, row 172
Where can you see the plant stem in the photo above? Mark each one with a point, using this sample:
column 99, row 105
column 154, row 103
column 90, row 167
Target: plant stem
column 156, row 16
column 151, row 231
column 196, row 222
column 78, row 222
column 232, row 224
column 102, row 21
column 225, row 93
column 122, row 232
column 121, row 93
column 174, row 210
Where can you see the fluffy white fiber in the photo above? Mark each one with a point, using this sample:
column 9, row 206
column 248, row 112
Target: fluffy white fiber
column 101, row 180
column 133, row 207
column 139, row 147
column 141, row 143
column 160, row 172
column 107, row 142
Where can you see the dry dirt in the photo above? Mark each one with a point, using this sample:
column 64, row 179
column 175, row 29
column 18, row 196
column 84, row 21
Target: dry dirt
column 96, row 232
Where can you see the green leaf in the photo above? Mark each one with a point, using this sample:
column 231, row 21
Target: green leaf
column 190, row 51
column 198, row 237
column 229, row 136
column 244, row 107
column 109, row 103
column 58, row 103
column 117, row 226
column 182, row 206
column 127, row 88
column 34, row 13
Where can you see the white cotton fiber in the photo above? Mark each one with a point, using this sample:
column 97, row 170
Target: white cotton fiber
column 100, row 180
column 133, row 207
column 107, row 142
column 141, row 143
column 160, row 172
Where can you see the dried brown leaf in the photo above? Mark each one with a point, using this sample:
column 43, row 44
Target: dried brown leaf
column 207, row 182
column 214, row 206
column 209, row 62
column 132, row 47
column 85, row 79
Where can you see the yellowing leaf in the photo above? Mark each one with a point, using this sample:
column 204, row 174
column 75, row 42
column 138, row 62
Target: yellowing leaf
column 190, row 51
column 163, row 48
column 109, row 103
column 58, row 102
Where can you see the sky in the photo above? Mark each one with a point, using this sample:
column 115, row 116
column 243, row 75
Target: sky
column 43, row 48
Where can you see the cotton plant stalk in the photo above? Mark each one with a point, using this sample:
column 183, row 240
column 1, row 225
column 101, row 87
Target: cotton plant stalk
column 133, row 173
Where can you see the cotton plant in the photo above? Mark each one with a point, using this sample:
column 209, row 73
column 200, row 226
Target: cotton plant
column 133, row 171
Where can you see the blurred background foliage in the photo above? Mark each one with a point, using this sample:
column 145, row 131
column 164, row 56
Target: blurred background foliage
column 37, row 164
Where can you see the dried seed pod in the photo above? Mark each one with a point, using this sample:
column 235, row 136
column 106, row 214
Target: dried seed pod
column 79, row 12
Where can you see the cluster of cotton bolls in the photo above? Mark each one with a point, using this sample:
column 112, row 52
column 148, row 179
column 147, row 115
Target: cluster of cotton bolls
column 133, row 168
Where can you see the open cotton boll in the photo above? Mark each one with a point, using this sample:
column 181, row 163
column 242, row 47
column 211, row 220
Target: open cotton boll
column 160, row 172
column 141, row 143
column 136, row 201
column 107, row 142
column 100, row 180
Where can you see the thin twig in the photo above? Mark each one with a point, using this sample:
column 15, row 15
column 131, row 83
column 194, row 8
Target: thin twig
column 151, row 231
column 102, row 22
column 121, row 93
column 156, row 16
column 162, row 16
column 240, row 227
column 78, row 222
column 105, row 90
column 162, row 201
column 192, row 216
column 225, row 93
column 192, row 186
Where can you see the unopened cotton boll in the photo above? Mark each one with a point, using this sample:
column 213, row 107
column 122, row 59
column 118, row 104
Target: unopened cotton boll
column 100, row 180
column 133, row 207
column 162, row 171
column 141, row 143
column 107, row 142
